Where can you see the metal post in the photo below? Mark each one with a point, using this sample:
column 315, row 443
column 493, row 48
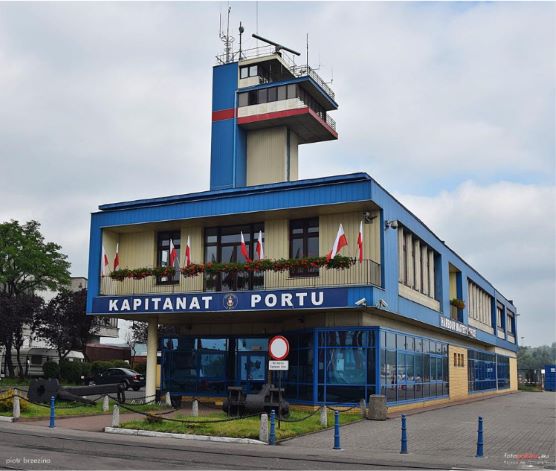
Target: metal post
column 403, row 450
column 480, row 439
column 52, row 413
column 272, row 434
column 337, row 430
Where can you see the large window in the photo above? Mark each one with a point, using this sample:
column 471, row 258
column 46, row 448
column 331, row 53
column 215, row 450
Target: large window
column 481, row 367
column 163, row 255
column 510, row 323
column 417, row 263
column 346, row 365
column 412, row 368
column 304, row 242
column 503, row 371
column 479, row 304
column 223, row 245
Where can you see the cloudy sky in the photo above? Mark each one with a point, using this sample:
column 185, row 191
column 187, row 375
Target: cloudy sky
column 450, row 106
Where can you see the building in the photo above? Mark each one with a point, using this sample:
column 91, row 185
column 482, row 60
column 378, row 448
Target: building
column 411, row 320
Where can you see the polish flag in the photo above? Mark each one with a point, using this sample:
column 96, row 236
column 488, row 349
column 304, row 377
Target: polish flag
column 244, row 251
column 104, row 261
column 188, row 253
column 360, row 242
column 260, row 249
column 339, row 243
column 117, row 257
column 173, row 254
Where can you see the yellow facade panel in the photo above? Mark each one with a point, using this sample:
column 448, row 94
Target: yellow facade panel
column 457, row 372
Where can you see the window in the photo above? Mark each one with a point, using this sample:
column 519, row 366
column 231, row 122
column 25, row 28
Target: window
column 223, row 245
column 248, row 71
column 411, row 368
column 416, row 264
column 243, row 99
column 163, row 255
column 511, row 323
column 262, row 95
column 481, row 367
column 282, row 92
column 499, row 316
column 304, row 242
column 479, row 303
column 272, row 94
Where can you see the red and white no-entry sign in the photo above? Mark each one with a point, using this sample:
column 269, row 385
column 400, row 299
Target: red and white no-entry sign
column 278, row 348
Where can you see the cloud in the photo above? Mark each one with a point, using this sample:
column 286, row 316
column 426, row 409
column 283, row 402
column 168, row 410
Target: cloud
column 506, row 232
column 105, row 102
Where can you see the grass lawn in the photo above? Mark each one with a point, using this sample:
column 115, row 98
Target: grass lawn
column 69, row 409
column 244, row 428
column 529, row 388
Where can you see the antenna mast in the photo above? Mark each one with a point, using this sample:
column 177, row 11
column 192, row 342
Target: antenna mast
column 226, row 38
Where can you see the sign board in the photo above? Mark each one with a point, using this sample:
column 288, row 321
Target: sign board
column 278, row 348
column 210, row 301
column 457, row 327
column 282, row 365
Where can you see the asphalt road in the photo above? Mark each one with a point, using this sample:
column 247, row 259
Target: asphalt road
column 24, row 446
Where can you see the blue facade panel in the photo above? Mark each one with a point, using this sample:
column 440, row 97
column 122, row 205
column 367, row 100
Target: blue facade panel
column 224, row 86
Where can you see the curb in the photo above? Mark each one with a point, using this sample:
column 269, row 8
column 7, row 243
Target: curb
column 4, row 418
column 183, row 436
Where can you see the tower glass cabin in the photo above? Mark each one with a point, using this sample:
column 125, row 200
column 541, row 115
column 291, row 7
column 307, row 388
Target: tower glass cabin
column 263, row 108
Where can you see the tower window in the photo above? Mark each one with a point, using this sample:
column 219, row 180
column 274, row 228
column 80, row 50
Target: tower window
column 304, row 242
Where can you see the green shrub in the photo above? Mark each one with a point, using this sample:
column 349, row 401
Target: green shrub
column 141, row 368
column 98, row 367
column 6, row 405
column 119, row 364
column 51, row 369
column 70, row 371
column 86, row 369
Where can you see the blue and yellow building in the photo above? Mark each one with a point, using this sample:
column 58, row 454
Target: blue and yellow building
column 412, row 320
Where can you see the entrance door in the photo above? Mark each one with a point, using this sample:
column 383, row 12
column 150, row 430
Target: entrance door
column 252, row 370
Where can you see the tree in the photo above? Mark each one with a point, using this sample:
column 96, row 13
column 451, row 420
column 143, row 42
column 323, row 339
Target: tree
column 64, row 324
column 139, row 331
column 27, row 264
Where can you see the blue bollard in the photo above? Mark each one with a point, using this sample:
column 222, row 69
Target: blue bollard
column 403, row 449
column 272, row 434
column 480, row 439
column 52, row 413
column 337, row 430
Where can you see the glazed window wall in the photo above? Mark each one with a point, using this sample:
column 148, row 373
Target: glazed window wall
column 412, row 368
column 503, row 371
column 298, row 380
column 346, row 365
column 481, row 370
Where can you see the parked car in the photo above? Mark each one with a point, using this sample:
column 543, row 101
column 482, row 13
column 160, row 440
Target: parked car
column 130, row 378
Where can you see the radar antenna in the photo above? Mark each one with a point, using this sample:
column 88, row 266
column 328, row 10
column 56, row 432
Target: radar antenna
column 277, row 47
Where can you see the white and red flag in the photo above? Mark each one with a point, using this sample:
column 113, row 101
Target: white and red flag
column 260, row 248
column 188, row 253
column 244, row 251
column 173, row 253
column 339, row 243
column 104, row 261
column 360, row 242
column 117, row 257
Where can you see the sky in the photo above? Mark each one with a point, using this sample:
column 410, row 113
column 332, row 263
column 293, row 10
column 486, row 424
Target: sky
column 449, row 106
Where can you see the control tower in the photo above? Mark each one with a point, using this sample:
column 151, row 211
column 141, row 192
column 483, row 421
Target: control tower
column 263, row 107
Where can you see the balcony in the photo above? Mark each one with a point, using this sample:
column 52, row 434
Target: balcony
column 366, row 273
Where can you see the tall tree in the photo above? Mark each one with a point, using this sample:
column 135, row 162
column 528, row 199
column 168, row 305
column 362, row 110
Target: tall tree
column 27, row 264
column 63, row 322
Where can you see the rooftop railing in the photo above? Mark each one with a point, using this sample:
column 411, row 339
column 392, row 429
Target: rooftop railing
column 360, row 274
column 296, row 70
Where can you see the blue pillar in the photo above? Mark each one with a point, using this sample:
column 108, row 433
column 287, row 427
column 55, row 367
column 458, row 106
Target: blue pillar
column 272, row 434
column 337, row 431
column 480, row 439
column 403, row 449
column 52, row 413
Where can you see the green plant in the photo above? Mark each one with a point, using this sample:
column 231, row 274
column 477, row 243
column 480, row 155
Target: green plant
column 51, row 369
column 6, row 402
column 86, row 369
column 459, row 303
column 70, row 371
column 140, row 368
column 98, row 367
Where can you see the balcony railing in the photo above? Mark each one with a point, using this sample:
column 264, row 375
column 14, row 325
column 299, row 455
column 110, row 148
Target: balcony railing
column 365, row 273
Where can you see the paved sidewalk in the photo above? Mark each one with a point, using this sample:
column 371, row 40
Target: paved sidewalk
column 515, row 424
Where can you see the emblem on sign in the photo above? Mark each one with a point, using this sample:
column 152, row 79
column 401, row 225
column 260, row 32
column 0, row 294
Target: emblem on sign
column 230, row 301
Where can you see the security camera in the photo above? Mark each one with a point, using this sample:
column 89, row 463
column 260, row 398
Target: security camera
column 382, row 304
column 394, row 225
column 361, row 302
